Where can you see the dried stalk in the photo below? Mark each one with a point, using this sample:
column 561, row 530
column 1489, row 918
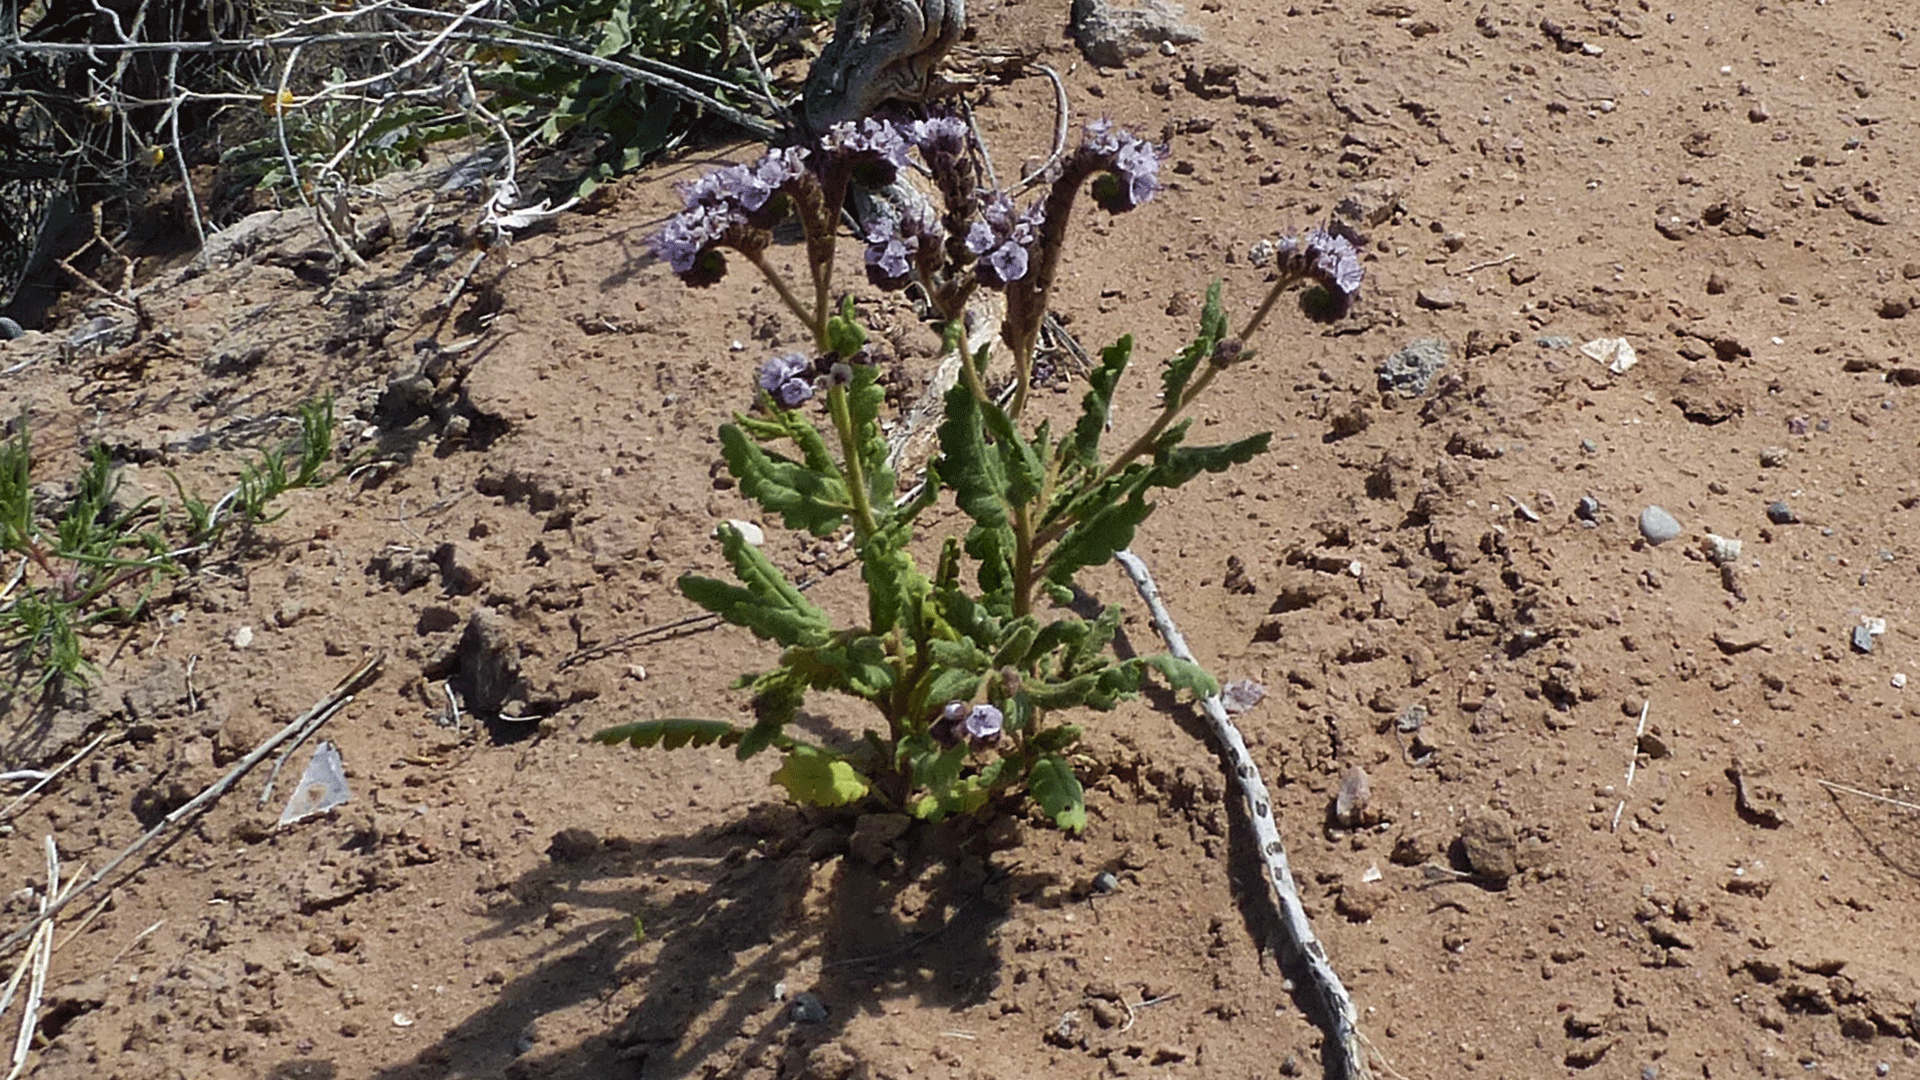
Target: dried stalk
column 1348, row 1057
column 199, row 802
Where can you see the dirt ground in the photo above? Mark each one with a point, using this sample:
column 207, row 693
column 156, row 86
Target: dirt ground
column 1728, row 186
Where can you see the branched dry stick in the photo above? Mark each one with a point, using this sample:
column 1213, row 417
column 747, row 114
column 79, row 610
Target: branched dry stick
column 199, row 802
column 1342, row 1022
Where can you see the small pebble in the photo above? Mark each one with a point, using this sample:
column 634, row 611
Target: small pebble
column 1773, row 457
column 1899, row 680
column 1657, row 525
column 1104, row 882
column 1781, row 514
column 807, row 1008
column 1587, row 509
column 1862, row 639
column 243, row 637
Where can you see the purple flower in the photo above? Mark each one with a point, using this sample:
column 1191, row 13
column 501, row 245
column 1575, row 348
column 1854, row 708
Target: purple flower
column 942, row 138
column 982, row 726
column 877, row 149
column 725, row 208
column 1003, row 239
column 896, row 246
column 788, row 379
column 979, row 725
column 1330, row 258
column 689, row 243
column 1133, row 166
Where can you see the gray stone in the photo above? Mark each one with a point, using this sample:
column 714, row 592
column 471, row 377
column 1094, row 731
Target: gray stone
column 1657, row 525
column 1110, row 36
column 1411, row 370
column 808, row 1008
column 1781, row 514
column 1862, row 639
column 9, row 329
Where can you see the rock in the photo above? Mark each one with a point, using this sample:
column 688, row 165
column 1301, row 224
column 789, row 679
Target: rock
column 1657, row 525
column 1350, row 803
column 9, row 329
column 1411, row 370
column 1490, row 846
column 1361, row 902
column 1781, row 514
column 1720, row 550
column 1758, row 802
column 1739, row 639
column 807, row 1008
column 1862, row 639
column 1110, row 36
column 488, row 665
column 1587, row 509
column 1437, row 298
column 1368, row 204
column 1716, row 284
column 572, row 845
column 1773, row 457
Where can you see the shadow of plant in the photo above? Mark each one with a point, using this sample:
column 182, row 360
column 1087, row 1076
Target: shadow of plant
column 697, row 949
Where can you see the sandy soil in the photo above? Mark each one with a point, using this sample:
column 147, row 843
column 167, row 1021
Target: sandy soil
column 1727, row 185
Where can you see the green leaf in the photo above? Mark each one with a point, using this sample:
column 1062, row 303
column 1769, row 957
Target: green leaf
column 769, row 605
column 1182, row 674
column 814, row 777
column 1095, row 538
column 952, row 684
column 1058, row 791
column 804, row 495
column 1181, row 464
column 1016, row 644
column 777, row 695
column 977, row 474
column 670, row 734
column 1213, row 327
column 1084, row 446
column 845, row 335
column 849, row 664
column 1055, row 739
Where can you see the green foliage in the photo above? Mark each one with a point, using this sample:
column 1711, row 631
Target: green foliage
column 973, row 678
column 94, row 562
column 628, row 122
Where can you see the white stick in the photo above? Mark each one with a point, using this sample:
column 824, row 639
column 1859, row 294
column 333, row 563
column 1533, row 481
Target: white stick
column 1633, row 763
column 1343, row 1026
column 1867, row 795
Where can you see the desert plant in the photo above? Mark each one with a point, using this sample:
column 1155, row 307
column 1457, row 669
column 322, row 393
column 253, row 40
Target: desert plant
column 92, row 561
column 973, row 667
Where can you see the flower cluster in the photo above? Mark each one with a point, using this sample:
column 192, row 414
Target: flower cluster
column 898, row 246
column 728, row 207
column 1133, row 175
column 1003, row 239
column 789, row 378
column 875, row 148
column 1330, row 258
column 979, row 725
column 941, row 140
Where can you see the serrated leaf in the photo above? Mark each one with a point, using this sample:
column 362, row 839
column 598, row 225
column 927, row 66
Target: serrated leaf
column 803, row 496
column 1213, row 326
column 1181, row 464
column 1097, row 405
column 768, row 604
column 1182, row 674
column 1023, row 467
column 1058, row 791
column 670, row 734
column 952, row 684
column 976, row 473
column 1094, row 539
column 1055, row 739
column 854, row 665
column 777, row 695
column 1016, row 642
column 814, row 777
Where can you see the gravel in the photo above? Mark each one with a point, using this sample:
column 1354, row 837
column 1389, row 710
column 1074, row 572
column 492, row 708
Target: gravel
column 1657, row 525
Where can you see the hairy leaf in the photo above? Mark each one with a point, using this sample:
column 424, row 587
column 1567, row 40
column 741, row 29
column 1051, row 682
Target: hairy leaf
column 850, row 664
column 1058, row 792
column 1182, row 674
column 1093, row 540
column 1213, row 327
column 805, row 498
column 814, row 777
column 670, row 734
column 769, row 604
column 1083, row 448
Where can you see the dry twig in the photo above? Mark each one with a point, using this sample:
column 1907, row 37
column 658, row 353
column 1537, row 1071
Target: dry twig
column 1345, row 1044
column 199, row 802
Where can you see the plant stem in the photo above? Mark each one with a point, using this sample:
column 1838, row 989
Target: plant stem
column 816, row 323
column 864, row 525
column 1266, row 306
